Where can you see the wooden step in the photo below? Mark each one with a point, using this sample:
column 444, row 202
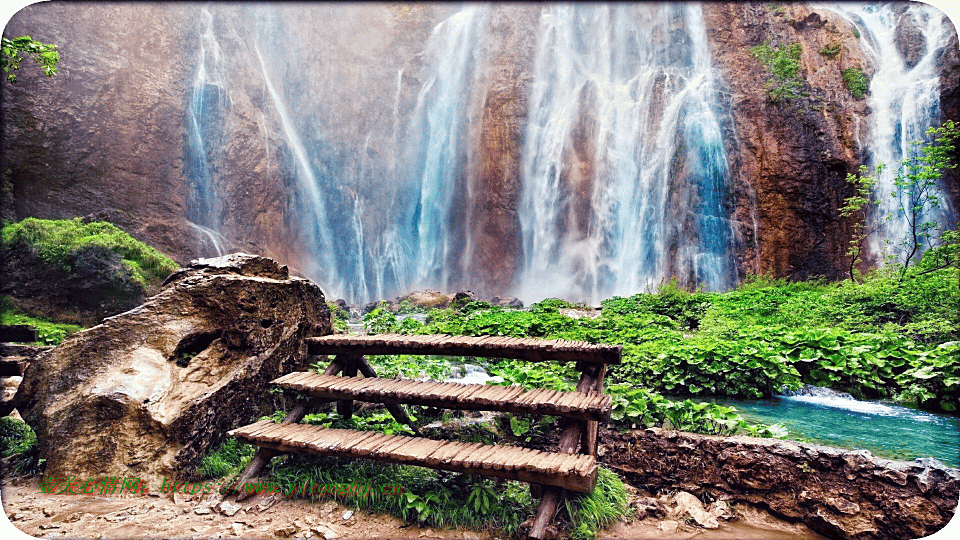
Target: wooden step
column 536, row 350
column 12, row 366
column 585, row 406
column 575, row 472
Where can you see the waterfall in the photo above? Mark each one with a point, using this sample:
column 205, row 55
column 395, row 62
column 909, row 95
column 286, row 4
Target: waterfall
column 623, row 165
column 904, row 100
column 205, row 112
column 436, row 151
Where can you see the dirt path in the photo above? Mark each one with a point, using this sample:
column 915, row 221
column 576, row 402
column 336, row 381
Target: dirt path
column 154, row 516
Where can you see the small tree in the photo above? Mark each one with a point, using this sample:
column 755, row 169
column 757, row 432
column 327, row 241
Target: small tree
column 44, row 54
column 856, row 207
column 916, row 192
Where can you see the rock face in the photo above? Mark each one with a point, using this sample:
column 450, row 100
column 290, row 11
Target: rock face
column 838, row 493
column 150, row 391
column 791, row 157
column 98, row 284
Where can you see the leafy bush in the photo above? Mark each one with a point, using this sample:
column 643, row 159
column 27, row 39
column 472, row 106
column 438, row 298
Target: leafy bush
column 230, row 456
column 856, row 81
column 784, row 63
column 18, row 441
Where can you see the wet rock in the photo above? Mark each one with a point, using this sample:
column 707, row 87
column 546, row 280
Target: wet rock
column 425, row 299
column 149, row 392
column 649, row 507
column 838, row 493
column 688, row 505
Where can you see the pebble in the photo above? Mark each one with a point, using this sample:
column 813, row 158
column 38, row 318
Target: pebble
column 347, row 515
column 202, row 510
column 237, row 528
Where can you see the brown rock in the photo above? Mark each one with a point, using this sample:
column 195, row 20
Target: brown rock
column 149, row 392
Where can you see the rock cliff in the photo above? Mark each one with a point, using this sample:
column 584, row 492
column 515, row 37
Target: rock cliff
column 290, row 130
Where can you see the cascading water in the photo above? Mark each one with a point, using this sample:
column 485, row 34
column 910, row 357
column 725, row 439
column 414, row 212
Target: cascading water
column 904, row 100
column 623, row 166
column 208, row 99
column 436, row 152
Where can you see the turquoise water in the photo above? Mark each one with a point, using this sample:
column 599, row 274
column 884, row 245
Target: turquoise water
column 889, row 431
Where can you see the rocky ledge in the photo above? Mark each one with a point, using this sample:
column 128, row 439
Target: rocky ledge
column 847, row 494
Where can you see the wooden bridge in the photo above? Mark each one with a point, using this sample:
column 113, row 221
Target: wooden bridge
column 573, row 467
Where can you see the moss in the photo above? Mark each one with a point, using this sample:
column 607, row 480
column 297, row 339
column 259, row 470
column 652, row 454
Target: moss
column 56, row 241
column 856, row 81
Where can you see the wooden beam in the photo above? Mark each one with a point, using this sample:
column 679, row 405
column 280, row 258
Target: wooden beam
column 345, row 406
column 570, row 471
column 397, row 410
column 569, row 442
column 534, row 350
column 17, row 333
column 264, row 455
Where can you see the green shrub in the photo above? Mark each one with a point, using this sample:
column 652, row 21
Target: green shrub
column 18, row 441
column 48, row 333
column 856, row 81
column 784, row 63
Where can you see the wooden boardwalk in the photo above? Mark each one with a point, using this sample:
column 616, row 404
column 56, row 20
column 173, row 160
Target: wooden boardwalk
column 574, row 472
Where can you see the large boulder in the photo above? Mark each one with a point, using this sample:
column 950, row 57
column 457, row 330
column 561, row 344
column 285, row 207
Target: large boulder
column 150, row 391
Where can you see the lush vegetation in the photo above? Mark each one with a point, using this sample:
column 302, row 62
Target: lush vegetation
column 856, row 81
column 783, row 62
column 885, row 338
column 56, row 242
column 18, row 446
column 48, row 333
column 44, row 54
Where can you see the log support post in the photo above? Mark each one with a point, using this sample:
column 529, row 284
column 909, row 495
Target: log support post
column 264, row 455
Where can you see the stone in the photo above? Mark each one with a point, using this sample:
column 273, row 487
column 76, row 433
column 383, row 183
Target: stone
column 649, row 507
column 721, row 510
column 237, row 528
column 202, row 510
column 228, row 508
column 149, row 392
column 424, row 299
column 347, row 515
column 689, row 505
column 286, row 531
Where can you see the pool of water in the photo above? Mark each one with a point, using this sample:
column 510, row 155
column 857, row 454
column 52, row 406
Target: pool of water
column 887, row 430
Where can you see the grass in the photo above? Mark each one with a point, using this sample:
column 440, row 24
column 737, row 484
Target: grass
column 48, row 333
column 56, row 241
column 18, row 441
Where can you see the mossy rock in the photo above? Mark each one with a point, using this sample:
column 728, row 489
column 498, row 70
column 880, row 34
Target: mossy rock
column 74, row 272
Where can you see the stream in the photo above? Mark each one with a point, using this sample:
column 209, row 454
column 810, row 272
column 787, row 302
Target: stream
column 886, row 430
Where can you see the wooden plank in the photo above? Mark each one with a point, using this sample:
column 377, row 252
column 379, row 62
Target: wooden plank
column 459, row 396
column 483, row 346
column 17, row 333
